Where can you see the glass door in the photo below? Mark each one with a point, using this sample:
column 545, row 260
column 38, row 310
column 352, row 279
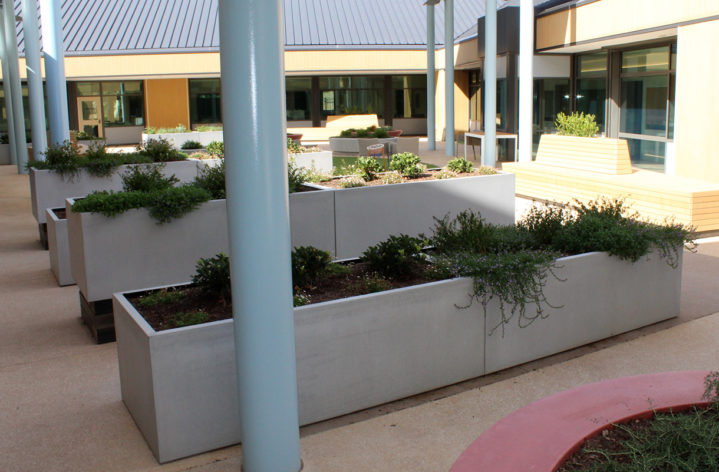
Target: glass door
column 89, row 116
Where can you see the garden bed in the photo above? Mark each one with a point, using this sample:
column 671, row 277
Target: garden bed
column 178, row 139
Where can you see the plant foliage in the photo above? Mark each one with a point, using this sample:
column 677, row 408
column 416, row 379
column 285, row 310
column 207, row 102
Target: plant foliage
column 395, row 257
column 212, row 275
column 407, row 164
column 189, row 144
column 212, row 179
column 370, row 167
column 160, row 150
column 459, row 165
column 216, row 149
column 296, row 176
column 147, row 178
column 576, row 124
column 309, row 264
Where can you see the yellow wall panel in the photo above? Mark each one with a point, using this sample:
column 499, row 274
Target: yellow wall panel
column 167, row 103
column 612, row 17
column 355, row 61
column 697, row 95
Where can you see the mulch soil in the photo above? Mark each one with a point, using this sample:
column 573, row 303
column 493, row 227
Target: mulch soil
column 334, row 287
column 429, row 175
column 61, row 213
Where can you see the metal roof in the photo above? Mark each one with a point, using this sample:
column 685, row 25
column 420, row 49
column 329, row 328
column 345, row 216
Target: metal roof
column 101, row 27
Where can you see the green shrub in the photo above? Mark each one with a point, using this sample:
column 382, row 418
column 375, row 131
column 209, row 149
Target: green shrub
column 202, row 128
column 191, row 145
column 364, row 133
column 308, row 265
column 212, row 275
column 293, row 147
column 465, row 232
column 147, row 178
column 459, row 165
column 576, row 124
column 543, row 224
column 444, row 174
column 160, row 150
column 347, row 133
column 369, row 166
column 392, row 177
column 96, row 151
column 381, row 133
column 395, row 257
column 161, row 297
column 373, row 283
column 83, row 136
column 212, row 179
column 352, row 181
column 296, row 176
column 62, row 158
column 216, row 149
column 407, row 164
column 484, row 170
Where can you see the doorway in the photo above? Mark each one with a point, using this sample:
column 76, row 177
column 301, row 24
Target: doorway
column 89, row 116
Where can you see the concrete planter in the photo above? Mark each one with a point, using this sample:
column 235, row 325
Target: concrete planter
column 59, row 246
column 356, row 146
column 312, row 220
column 179, row 385
column 409, row 208
column 4, row 154
column 48, row 189
column 320, row 161
column 178, row 139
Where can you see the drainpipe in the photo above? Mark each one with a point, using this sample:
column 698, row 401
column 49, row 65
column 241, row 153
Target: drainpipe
column 34, row 79
column 55, row 71
column 253, row 108
column 15, row 87
column 526, row 79
column 8, row 93
column 431, row 123
column 490, row 83
column 449, row 75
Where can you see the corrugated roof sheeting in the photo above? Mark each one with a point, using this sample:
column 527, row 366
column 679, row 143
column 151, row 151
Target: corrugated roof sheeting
column 147, row 26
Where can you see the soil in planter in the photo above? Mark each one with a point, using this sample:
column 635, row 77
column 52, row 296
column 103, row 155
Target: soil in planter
column 61, row 213
column 191, row 299
column 613, row 442
column 429, row 175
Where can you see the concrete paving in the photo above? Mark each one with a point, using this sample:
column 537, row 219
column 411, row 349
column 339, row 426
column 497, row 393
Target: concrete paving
column 61, row 409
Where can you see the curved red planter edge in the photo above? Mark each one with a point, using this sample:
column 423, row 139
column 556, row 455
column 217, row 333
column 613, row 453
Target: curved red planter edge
column 540, row 436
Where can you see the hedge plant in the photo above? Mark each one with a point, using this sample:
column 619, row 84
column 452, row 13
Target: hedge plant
column 576, row 124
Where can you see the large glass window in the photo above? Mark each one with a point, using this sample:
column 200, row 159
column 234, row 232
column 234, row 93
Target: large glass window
column 122, row 103
column 409, row 96
column 551, row 96
column 352, row 95
column 205, row 102
column 647, row 104
column 298, row 91
column 591, row 86
column 475, row 99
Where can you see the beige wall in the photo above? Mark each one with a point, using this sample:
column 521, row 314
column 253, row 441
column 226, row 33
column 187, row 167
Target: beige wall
column 166, row 103
column 611, row 17
column 696, row 136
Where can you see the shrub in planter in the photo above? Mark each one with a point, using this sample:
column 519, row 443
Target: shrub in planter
column 308, row 264
column 396, row 257
column 147, row 179
column 352, row 181
column 392, row 177
column 213, row 276
column 407, row 164
column 296, row 176
column 369, row 167
column 459, row 165
column 216, row 149
column 212, row 179
column 191, row 145
column 293, row 147
column 445, row 174
column 160, row 150
column 576, row 124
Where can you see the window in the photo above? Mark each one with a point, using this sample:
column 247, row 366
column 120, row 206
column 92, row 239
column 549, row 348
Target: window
column 205, row 105
column 591, row 86
column 122, row 103
column 298, row 91
column 551, row 96
column 352, row 95
column 409, row 96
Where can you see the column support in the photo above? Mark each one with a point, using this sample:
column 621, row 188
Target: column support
column 7, row 89
column 449, row 77
column 490, row 84
column 13, row 68
column 34, row 79
column 52, row 35
column 431, row 121
column 526, row 79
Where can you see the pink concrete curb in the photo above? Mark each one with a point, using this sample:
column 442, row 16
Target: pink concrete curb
column 540, row 436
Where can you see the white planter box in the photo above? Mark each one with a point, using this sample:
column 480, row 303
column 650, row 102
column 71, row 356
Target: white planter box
column 178, row 139
column 5, row 154
column 59, row 248
column 367, row 215
column 179, row 385
column 132, row 251
column 356, row 146
column 312, row 219
column 48, row 189
column 320, row 161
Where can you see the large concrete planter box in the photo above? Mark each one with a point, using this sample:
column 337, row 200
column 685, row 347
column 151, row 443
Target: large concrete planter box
column 320, row 161
column 48, row 189
column 178, row 139
column 356, row 146
column 59, row 246
column 5, row 154
column 312, row 219
column 367, row 215
column 600, row 155
column 179, row 385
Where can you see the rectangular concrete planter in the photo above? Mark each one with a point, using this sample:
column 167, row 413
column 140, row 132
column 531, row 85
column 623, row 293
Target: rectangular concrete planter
column 321, row 161
column 59, row 247
column 367, row 215
column 180, row 384
column 48, row 189
column 178, row 139
column 4, row 154
column 356, row 146
column 312, row 219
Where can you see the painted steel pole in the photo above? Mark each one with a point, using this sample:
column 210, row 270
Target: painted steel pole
column 449, row 76
column 15, row 87
column 8, row 95
column 490, row 84
column 52, row 37
column 526, row 79
column 253, row 108
column 34, row 78
column 431, row 123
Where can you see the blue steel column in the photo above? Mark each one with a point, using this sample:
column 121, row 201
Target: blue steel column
column 431, row 123
column 8, row 95
column 34, row 78
column 15, row 87
column 253, row 109
column 52, row 36
column 490, row 83
column 526, row 78
column 449, row 76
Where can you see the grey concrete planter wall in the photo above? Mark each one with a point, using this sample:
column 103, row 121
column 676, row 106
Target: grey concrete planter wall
column 312, row 220
column 179, row 385
column 59, row 247
column 320, row 161
column 368, row 215
column 178, row 139
column 356, row 146
column 48, row 189
column 4, row 154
